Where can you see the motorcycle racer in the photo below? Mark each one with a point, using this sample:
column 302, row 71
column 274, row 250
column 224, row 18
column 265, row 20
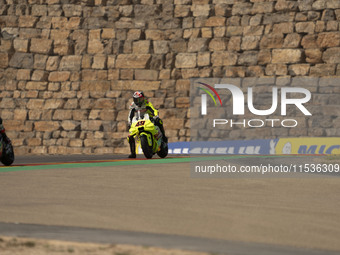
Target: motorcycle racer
column 141, row 103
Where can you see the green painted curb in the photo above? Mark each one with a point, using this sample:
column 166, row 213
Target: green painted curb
column 5, row 169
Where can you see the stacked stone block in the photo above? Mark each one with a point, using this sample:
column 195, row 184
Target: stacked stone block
column 68, row 67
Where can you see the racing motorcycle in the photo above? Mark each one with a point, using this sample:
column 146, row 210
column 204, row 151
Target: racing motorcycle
column 148, row 136
column 6, row 152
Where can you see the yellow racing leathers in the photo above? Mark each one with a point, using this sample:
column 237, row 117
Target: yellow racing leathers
column 148, row 108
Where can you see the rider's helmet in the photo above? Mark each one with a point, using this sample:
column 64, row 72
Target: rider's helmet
column 138, row 98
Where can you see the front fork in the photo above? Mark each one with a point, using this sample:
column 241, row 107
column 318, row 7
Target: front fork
column 131, row 140
column 148, row 136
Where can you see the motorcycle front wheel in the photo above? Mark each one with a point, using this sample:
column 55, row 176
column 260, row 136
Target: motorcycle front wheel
column 7, row 155
column 147, row 149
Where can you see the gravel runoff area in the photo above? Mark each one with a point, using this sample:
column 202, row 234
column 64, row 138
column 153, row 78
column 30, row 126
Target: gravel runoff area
column 30, row 246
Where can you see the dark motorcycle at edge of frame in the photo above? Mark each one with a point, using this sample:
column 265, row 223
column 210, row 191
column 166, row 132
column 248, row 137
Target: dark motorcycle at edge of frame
column 6, row 152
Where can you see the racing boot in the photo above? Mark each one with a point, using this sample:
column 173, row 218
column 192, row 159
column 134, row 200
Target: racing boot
column 165, row 139
column 159, row 123
column 132, row 147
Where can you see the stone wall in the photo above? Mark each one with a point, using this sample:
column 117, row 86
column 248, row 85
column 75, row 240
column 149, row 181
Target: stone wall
column 68, row 67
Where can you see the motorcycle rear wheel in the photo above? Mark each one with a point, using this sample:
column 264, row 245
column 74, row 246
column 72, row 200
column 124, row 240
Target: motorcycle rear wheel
column 147, row 149
column 164, row 150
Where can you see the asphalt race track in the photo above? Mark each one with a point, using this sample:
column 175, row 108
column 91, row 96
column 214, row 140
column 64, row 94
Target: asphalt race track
column 109, row 199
